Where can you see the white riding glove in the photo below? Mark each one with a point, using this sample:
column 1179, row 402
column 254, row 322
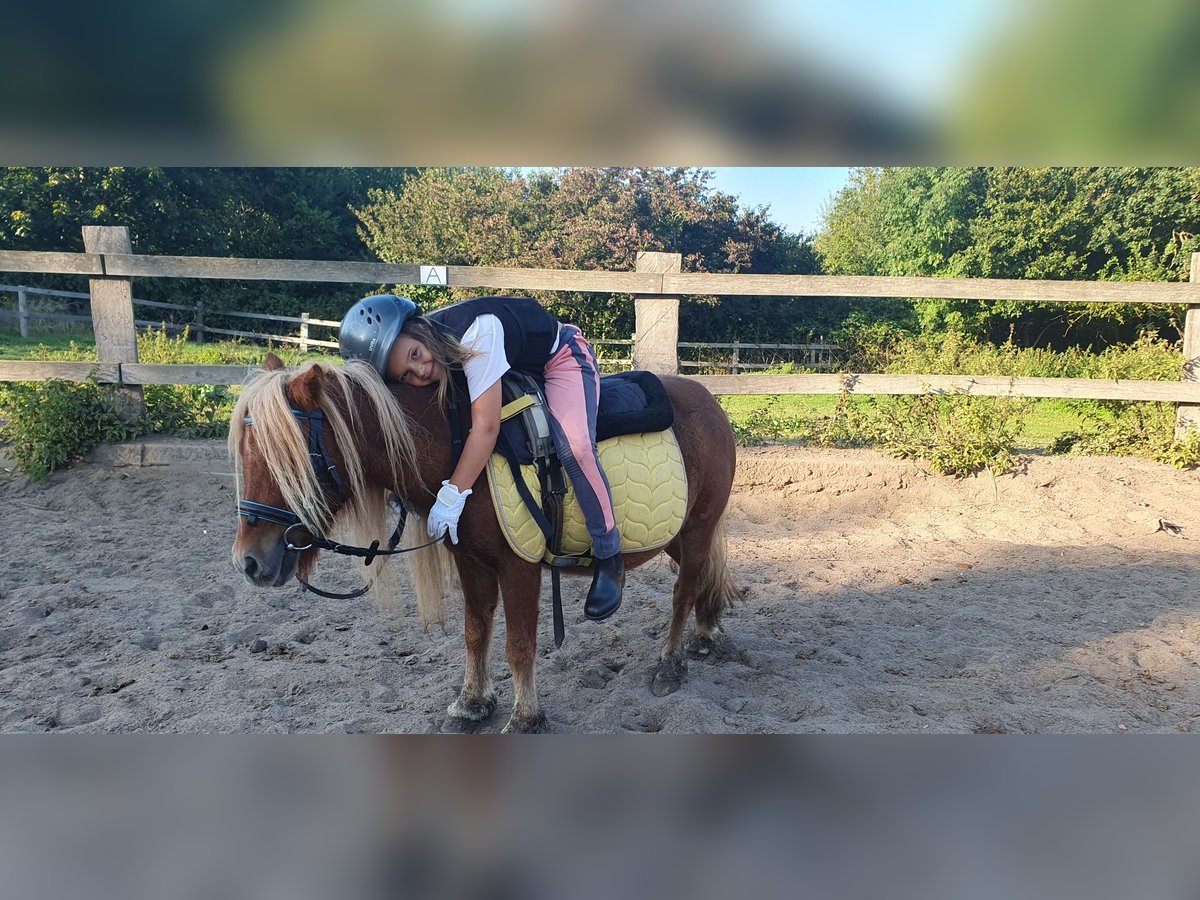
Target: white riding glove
column 443, row 517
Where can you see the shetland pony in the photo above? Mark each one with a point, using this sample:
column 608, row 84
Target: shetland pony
column 377, row 439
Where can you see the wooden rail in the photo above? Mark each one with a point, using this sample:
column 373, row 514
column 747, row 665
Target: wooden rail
column 939, row 288
column 132, row 374
column 595, row 281
column 657, row 286
column 197, row 325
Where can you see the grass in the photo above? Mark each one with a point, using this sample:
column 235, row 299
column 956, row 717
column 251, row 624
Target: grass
column 1048, row 420
column 153, row 347
column 13, row 346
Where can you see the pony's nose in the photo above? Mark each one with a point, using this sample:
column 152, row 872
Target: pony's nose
column 249, row 565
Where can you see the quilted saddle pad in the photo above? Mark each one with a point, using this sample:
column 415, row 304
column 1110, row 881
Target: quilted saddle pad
column 649, row 487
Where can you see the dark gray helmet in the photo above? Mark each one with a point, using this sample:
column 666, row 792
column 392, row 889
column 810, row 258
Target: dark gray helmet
column 371, row 327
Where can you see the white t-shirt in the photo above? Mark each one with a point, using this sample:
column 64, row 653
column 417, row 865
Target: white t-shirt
column 486, row 337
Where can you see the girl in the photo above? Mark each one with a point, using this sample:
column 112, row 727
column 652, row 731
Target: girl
column 484, row 338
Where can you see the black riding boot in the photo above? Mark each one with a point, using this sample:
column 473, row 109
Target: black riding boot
column 608, row 583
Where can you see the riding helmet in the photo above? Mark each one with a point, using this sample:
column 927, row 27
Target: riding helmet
column 371, row 327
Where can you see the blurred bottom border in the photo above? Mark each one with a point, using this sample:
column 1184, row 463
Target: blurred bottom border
column 854, row 816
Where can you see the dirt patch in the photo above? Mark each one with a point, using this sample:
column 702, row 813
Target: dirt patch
column 879, row 598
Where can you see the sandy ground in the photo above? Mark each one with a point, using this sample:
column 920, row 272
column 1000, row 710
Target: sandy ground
column 878, row 598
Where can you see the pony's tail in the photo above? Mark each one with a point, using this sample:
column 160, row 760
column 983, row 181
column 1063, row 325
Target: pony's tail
column 716, row 590
column 429, row 570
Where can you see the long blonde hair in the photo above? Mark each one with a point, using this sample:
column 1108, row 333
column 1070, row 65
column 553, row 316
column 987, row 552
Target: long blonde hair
column 442, row 346
column 284, row 447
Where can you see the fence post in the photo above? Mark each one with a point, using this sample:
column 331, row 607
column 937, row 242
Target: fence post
column 199, row 321
column 303, row 332
column 736, row 357
column 112, row 311
column 1188, row 414
column 656, row 342
column 23, row 313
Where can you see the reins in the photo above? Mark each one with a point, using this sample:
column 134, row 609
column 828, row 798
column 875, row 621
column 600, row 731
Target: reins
column 327, row 474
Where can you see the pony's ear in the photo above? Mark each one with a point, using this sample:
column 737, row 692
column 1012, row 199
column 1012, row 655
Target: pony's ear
column 272, row 362
column 306, row 387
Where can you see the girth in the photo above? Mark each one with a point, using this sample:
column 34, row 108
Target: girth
column 630, row 402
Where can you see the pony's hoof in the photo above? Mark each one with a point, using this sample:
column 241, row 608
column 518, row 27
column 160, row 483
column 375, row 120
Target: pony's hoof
column 475, row 710
column 668, row 677
column 535, row 725
column 455, row 725
column 713, row 645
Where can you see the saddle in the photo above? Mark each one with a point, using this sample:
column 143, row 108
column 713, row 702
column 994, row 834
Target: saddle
column 638, row 453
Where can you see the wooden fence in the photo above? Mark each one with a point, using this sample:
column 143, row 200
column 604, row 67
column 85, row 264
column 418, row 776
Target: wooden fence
column 194, row 321
column 657, row 284
column 819, row 356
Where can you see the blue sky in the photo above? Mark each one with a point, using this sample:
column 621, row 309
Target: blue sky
column 794, row 196
column 912, row 53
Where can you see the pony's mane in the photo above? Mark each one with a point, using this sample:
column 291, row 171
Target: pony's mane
column 283, row 445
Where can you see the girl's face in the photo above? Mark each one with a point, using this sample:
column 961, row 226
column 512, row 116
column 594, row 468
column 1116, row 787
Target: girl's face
column 411, row 363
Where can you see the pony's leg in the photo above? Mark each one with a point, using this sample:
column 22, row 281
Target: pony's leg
column 714, row 593
column 671, row 670
column 702, row 584
column 477, row 699
column 520, row 585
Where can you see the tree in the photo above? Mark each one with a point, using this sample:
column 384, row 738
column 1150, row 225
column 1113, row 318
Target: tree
column 246, row 212
column 851, row 241
column 1034, row 223
column 582, row 218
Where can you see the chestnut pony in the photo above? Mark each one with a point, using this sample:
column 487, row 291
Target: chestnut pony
column 382, row 439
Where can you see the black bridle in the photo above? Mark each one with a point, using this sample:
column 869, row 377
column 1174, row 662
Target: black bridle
column 328, row 476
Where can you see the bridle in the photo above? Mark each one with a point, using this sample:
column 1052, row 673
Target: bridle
column 327, row 475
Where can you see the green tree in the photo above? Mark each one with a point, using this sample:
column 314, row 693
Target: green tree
column 852, row 241
column 246, row 212
column 583, row 218
column 1033, row 223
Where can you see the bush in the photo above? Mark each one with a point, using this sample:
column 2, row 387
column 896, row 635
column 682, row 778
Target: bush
column 885, row 349
column 956, row 435
column 52, row 423
column 1120, row 428
column 767, row 425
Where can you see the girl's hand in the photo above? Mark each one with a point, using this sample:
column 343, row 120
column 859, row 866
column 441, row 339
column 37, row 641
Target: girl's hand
column 443, row 518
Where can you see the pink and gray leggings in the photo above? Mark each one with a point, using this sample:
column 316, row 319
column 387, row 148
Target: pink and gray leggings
column 572, row 392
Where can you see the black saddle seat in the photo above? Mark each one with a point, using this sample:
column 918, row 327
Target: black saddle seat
column 632, row 403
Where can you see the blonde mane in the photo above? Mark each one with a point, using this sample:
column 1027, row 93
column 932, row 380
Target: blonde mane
column 282, row 443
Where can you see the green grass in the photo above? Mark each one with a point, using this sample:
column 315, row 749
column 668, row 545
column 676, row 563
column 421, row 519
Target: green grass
column 13, row 346
column 1047, row 421
column 153, row 347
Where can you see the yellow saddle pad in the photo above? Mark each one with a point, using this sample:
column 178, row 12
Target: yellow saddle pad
column 649, row 488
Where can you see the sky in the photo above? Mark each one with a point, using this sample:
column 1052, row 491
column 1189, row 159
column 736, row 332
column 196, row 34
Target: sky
column 794, row 196
column 912, row 53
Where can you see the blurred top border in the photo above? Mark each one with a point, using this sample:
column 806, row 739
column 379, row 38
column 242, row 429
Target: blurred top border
column 541, row 83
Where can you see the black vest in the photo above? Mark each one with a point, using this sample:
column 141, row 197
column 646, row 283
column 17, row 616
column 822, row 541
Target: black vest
column 529, row 331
